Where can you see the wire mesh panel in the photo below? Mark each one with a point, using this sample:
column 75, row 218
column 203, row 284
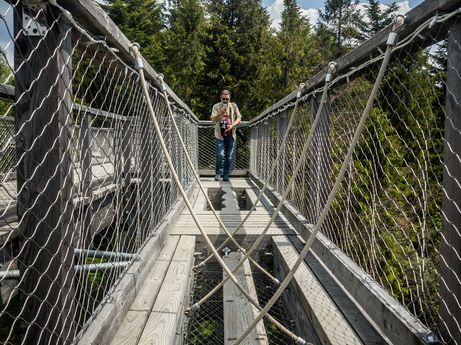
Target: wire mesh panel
column 396, row 213
column 83, row 182
column 207, row 147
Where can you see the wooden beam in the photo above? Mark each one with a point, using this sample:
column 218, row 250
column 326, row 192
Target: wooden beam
column 42, row 122
column 239, row 313
column 394, row 320
column 450, row 267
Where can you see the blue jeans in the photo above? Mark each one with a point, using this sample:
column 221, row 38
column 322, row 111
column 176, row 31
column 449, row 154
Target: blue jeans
column 224, row 151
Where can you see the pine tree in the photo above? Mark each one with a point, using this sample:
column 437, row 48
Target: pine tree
column 342, row 20
column 235, row 38
column 378, row 18
column 300, row 56
column 142, row 21
column 185, row 50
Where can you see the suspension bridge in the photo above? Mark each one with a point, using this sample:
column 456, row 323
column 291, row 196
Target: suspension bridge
column 341, row 222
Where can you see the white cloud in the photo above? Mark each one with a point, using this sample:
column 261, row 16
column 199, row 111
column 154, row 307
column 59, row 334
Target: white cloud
column 312, row 14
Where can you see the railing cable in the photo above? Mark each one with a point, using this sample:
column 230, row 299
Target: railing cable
column 300, row 163
column 139, row 66
column 361, row 126
column 202, row 189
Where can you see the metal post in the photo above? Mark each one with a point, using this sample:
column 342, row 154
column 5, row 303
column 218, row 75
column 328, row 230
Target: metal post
column 44, row 173
column 450, row 267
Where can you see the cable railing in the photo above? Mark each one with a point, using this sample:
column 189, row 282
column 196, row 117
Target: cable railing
column 93, row 171
column 396, row 213
column 84, row 186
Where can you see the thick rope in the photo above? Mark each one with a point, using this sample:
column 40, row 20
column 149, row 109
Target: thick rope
column 335, row 189
column 202, row 189
column 287, row 191
column 139, row 67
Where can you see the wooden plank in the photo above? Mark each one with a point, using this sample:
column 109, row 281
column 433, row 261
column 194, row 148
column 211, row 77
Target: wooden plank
column 330, row 325
column 352, row 313
column 133, row 324
column 450, row 268
column 131, row 328
column 168, row 248
column 239, row 313
column 185, row 249
column 167, row 311
column 43, row 108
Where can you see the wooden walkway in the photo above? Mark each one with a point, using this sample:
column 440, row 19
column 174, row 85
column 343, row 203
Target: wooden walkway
column 156, row 316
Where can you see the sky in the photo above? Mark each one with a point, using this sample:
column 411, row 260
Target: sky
column 310, row 8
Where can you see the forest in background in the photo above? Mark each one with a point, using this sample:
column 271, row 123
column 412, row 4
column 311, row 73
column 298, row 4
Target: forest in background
column 203, row 46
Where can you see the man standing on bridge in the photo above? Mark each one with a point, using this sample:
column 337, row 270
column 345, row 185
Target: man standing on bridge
column 226, row 116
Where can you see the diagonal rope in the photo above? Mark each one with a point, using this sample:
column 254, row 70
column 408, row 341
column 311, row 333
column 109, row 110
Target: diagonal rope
column 361, row 126
column 139, row 67
column 300, row 163
column 202, row 189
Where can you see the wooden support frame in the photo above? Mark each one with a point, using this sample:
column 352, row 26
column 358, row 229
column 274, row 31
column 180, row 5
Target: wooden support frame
column 43, row 115
column 450, row 267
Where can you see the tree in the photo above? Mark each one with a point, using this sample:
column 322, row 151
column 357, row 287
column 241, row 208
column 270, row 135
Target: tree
column 235, row 38
column 185, row 50
column 142, row 21
column 378, row 17
column 299, row 55
column 342, row 20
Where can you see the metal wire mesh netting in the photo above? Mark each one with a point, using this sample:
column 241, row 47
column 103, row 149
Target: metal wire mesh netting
column 83, row 185
column 394, row 214
column 206, row 326
column 207, row 149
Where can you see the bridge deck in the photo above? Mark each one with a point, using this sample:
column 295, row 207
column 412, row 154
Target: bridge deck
column 156, row 316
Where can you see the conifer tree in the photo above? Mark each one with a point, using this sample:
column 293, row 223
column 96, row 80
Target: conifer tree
column 378, row 17
column 142, row 21
column 235, row 38
column 185, row 50
column 341, row 20
column 300, row 56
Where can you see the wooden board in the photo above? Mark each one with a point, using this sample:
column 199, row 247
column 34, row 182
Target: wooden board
column 133, row 324
column 330, row 325
column 167, row 311
column 239, row 313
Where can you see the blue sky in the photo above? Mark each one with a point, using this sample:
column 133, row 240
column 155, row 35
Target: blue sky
column 305, row 4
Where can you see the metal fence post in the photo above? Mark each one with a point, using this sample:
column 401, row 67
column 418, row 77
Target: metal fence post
column 44, row 173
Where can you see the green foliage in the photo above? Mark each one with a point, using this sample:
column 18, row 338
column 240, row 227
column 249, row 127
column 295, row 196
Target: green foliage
column 205, row 333
column 343, row 22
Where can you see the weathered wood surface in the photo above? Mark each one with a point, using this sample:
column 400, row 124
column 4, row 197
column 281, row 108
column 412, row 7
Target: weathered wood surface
column 133, row 325
column 330, row 325
column 239, row 313
column 450, row 268
column 42, row 111
column 157, row 311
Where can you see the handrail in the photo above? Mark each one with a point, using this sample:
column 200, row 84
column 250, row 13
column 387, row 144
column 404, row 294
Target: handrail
column 94, row 19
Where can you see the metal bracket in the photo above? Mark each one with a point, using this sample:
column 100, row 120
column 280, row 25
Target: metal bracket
column 34, row 18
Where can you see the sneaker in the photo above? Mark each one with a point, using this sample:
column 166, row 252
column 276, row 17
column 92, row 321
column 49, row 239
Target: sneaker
column 217, row 178
column 225, row 178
